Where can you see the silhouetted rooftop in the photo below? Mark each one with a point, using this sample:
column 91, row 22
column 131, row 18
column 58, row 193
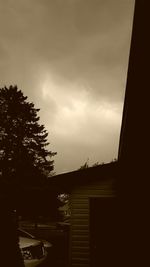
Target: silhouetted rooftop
column 70, row 180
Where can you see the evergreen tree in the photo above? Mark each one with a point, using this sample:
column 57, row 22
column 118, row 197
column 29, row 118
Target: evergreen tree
column 23, row 140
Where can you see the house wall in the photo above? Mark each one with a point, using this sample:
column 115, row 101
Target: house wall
column 80, row 220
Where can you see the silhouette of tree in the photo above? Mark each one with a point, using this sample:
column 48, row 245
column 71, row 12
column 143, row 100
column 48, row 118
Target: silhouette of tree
column 23, row 140
column 86, row 164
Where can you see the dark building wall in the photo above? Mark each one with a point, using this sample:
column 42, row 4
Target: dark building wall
column 80, row 219
column 134, row 149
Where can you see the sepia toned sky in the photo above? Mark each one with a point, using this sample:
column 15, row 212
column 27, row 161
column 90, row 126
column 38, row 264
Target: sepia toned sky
column 70, row 58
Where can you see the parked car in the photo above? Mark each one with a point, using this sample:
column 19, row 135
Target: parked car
column 34, row 251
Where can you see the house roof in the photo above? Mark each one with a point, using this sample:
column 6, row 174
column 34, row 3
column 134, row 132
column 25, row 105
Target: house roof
column 70, row 180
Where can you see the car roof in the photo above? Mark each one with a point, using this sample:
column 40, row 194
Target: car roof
column 25, row 242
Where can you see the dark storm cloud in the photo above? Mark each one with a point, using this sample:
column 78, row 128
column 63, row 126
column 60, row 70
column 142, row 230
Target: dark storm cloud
column 70, row 57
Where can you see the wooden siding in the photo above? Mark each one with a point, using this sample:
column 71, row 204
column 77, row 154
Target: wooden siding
column 80, row 219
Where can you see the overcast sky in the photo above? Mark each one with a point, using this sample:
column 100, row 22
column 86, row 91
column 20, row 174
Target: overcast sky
column 70, row 58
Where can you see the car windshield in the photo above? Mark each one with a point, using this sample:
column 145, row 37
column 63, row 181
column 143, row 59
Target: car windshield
column 24, row 234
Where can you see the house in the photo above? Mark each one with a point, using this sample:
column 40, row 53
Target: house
column 93, row 213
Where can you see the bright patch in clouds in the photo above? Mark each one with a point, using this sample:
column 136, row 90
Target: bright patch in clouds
column 75, row 108
column 80, row 121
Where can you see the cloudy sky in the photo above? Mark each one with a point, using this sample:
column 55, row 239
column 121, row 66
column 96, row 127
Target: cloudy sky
column 70, row 58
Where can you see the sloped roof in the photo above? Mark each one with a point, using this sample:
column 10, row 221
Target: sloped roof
column 70, row 180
